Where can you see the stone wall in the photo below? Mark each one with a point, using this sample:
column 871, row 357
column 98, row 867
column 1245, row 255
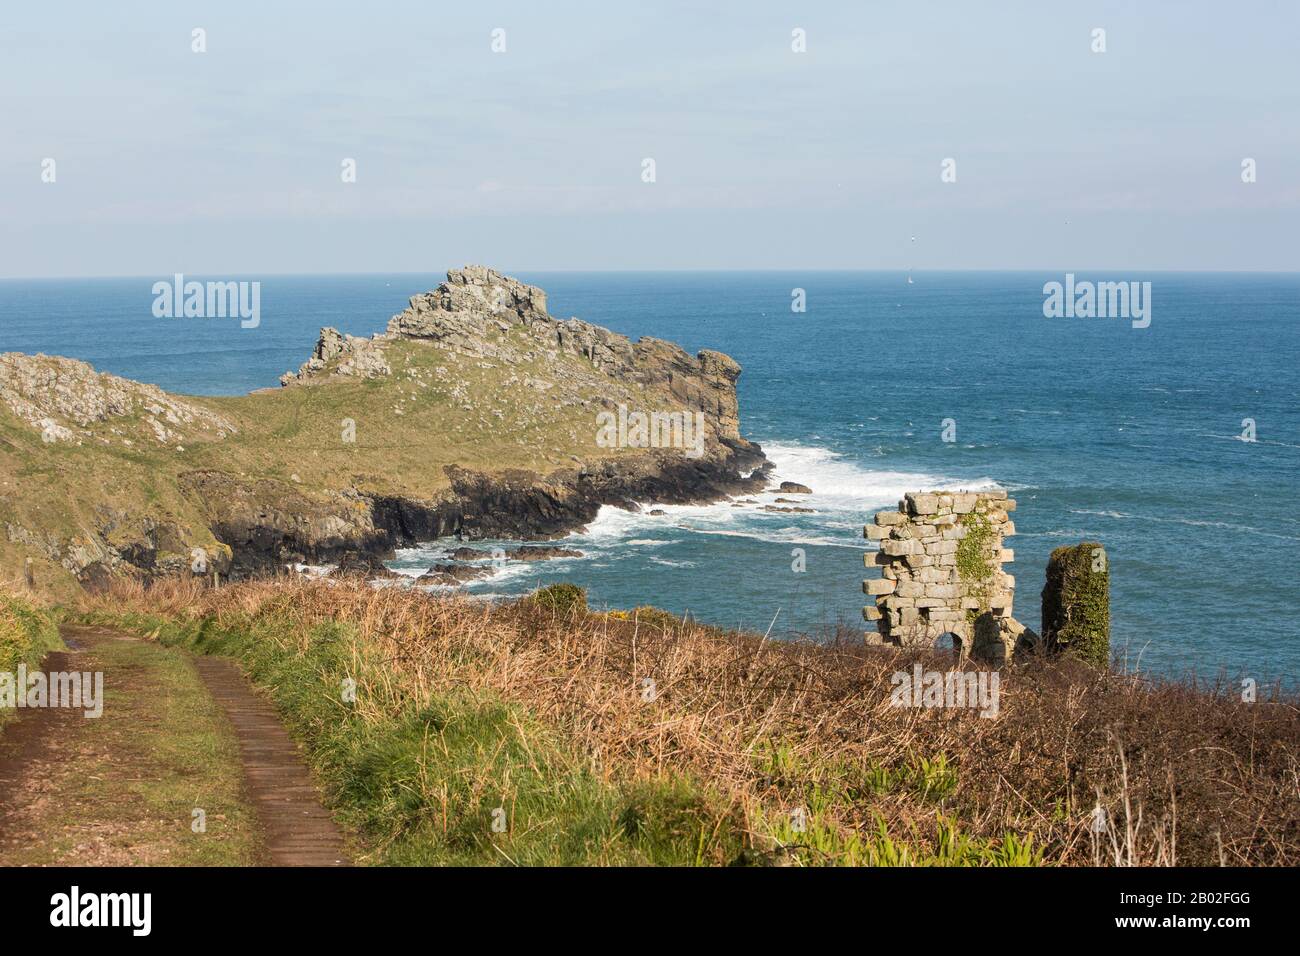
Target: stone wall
column 941, row 556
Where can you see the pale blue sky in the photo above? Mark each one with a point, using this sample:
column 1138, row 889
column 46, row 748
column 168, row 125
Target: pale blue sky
column 228, row 162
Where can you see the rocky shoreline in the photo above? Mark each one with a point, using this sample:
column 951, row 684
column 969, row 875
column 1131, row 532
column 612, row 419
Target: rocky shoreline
column 515, row 505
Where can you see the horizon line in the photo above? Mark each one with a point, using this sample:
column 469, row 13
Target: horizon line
column 738, row 271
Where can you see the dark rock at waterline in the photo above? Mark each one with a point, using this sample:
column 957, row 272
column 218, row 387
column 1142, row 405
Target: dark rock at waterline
column 524, row 553
column 802, row 511
column 452, row 574
column 658, row 513
column 368, row 566
column 541, row 553
column 269, row 524
column 470, row 554
column 794, row 488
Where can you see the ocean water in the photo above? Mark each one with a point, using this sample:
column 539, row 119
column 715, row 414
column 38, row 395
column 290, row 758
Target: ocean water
column 1133, row 437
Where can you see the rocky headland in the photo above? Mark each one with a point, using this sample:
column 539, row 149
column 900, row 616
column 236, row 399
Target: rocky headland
column 475, row 415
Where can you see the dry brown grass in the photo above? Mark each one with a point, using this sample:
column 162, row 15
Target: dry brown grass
column 1186, row 775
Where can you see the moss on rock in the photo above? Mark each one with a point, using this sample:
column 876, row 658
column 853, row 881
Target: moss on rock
column 1076, row 602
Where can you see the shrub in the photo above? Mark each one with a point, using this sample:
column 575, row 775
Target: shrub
column 26, row 633
column 561, row 598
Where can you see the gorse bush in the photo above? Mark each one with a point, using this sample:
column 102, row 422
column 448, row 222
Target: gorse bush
column 564, row 599
column 26, row 632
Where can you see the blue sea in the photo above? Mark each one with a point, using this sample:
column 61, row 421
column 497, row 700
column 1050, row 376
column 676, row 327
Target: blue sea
column 1134, row 437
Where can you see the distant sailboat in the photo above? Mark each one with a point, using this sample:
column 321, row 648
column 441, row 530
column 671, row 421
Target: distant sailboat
column 909, row 278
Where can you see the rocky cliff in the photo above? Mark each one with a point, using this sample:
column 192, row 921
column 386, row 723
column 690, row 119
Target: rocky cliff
column 472, row 314
column 475, row 413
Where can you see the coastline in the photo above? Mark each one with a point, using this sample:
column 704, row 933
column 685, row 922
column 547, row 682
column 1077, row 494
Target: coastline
column 475, row 414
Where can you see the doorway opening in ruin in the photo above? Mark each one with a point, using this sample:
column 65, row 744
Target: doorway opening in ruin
column 948, row 642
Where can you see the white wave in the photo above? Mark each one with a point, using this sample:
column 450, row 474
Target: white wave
column 842, row 485
column 844, row 496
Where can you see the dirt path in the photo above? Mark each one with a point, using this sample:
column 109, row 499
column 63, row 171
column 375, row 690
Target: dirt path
column 187, row 765
column 295, row 827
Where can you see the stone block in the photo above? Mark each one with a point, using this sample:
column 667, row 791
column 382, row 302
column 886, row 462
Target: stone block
column 945, row 616
column 934, row 575
column 898, row 549
column 878, row 586
column 920, row 503
column 890, row 518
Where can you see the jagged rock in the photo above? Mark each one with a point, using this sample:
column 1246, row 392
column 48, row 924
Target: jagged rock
column 451, row 574
column 468, row 313
column 54, row 394
column 541, row 553
column 470, row 554
column 359, row 357
column 794, row 488
column 363, row 565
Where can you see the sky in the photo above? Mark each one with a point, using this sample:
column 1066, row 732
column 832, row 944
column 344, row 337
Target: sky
column 230, row 161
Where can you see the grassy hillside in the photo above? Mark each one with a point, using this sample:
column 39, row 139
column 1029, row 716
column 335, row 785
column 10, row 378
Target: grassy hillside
column 633, row 738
